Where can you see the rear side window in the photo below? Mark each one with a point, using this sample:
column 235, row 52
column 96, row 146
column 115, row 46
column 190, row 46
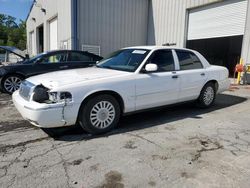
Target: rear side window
column 188, row 60
column 76, row 57
column 164, row 60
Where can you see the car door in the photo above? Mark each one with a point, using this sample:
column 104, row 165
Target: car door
column 192, row 75
column 50, row 62
column 80, row 59
column 161, row 87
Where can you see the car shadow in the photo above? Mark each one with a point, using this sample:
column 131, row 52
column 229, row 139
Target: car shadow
column 152, row 118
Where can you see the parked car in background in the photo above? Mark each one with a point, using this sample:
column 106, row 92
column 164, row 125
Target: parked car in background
column 12, row 75
column 131, row 79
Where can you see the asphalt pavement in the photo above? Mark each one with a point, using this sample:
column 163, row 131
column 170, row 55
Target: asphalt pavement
column 178, row 146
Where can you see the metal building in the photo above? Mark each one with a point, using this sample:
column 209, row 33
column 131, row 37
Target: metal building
column 218, row 29
column 100, row 26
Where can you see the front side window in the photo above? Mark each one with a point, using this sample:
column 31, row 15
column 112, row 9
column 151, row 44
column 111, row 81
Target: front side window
column 53, row 58
column 78, row 57
column 164, row 60
column 125, row 60
column 188, row 60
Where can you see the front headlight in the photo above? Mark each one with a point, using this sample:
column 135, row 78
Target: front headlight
column 57, row 97
column 42, row 94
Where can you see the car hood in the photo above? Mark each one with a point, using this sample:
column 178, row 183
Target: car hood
column 14, row 50
column 62, row 78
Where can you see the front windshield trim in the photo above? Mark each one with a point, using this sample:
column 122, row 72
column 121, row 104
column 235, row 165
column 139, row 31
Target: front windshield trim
column 139, row 54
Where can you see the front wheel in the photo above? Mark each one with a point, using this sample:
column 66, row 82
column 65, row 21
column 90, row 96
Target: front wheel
column 100, row 114
column 207, row 96
column 11, row 83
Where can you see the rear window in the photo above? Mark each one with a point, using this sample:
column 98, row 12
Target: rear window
column 79, row 57
column 188, row 60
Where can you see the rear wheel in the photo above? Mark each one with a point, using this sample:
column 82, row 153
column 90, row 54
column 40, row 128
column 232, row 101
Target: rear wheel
column 11, row 83
column 99, row 114
column 207, row 95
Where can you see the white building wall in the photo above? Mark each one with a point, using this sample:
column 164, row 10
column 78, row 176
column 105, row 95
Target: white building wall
column 245, row 54
column 168, row 20
column 112, row 24
column 54, row 8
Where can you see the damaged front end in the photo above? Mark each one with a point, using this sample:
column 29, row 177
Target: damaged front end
column 41, row 94
column 47, row 98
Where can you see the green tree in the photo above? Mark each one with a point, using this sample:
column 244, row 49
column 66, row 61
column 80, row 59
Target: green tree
column 11, row 32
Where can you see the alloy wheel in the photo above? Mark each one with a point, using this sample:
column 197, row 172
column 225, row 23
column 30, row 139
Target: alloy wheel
column 12, row 84
column 102, row 114
column 208, row 95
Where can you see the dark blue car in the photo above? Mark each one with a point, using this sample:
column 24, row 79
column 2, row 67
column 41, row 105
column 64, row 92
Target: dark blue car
column 12, row 75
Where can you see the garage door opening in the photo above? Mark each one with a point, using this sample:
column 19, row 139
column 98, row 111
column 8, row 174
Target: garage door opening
column 224, row 51
column 40, row 32
column 216, row 31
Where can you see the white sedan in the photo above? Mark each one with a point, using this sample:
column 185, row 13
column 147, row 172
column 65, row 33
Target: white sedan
column 129, row 80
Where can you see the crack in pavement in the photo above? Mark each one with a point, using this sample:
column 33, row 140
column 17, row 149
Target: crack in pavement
column 207, row 145
column 145, row 139
column 6, row 167
column 4, row 148
column 234, row 144
column 64, row 164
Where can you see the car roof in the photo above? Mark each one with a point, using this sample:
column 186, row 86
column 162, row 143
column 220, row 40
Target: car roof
column 157, row 48
column 53, row 51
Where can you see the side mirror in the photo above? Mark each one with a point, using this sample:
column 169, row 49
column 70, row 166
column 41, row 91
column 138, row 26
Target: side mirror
column 151, row 67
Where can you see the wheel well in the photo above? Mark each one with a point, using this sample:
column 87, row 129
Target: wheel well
column 107, row 92
column 12, row 74
column 215, row 84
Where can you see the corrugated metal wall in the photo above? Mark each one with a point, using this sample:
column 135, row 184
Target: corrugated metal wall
column 168, row 19
column 112, row 24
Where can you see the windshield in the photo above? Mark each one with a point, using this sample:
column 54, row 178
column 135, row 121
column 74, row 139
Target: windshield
column 125, row 60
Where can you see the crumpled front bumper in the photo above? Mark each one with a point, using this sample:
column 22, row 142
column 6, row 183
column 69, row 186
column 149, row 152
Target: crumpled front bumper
column 44, row 115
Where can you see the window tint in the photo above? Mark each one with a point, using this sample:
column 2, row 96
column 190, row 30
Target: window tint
column 188, row 60
column 75, row 56
column 164, row 60
column 54, row 58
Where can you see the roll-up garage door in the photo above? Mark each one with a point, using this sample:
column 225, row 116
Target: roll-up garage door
column 217, row 20
column 53, row 42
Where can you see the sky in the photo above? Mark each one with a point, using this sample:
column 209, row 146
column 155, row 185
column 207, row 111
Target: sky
column 16, row 8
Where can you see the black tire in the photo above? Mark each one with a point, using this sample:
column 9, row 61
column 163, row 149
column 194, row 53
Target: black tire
column 91, row 118
column 7, row 79
column 207, row 96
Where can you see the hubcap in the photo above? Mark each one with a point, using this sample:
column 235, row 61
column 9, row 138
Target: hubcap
column 102, row 114
column 208, row 95
column 12, row 84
